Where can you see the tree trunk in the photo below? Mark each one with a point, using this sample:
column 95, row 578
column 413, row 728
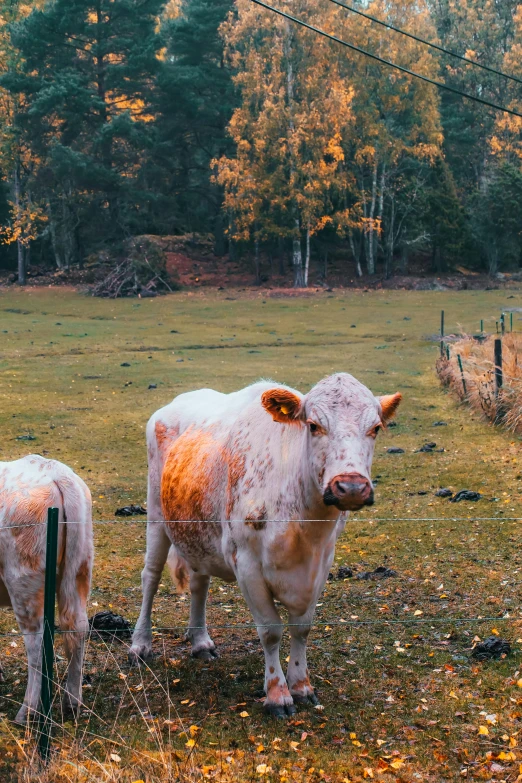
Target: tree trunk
column 22, row 273
column 257, row 262
column 307, row 257
column 280, row 256
column 370, row 258
column 390, row 240
column 297, row 260
column 54, row 240
column 356, row 256
column 297, row 257
column 380, row 212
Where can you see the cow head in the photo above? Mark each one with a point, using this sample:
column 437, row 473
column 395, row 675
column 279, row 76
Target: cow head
column 342, row 418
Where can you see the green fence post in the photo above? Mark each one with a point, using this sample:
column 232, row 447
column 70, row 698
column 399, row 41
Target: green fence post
column 46, row 694
column 462, row 375
column 481, row 326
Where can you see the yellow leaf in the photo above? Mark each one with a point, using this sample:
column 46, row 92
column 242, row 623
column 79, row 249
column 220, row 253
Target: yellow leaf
column 262, row 769
column 190, row 743
column 193, row 730
column 294, row 745
column 483, row 730
column 260, row 748
column 368, row 772
column 494, row 630
column 509, row 756
column 519, row 683
column 453, row 695
column 397, row 764
column 244, row 714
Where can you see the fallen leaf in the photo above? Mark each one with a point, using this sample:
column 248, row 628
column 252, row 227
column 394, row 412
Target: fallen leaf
column 115, row 757
column 483, row 730
column 244, row 714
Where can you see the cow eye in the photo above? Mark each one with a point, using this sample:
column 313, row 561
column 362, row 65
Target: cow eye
column 375, row 430
column 314, row 428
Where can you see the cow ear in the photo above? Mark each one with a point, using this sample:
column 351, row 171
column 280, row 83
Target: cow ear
column 389, row 404
column 283, row 405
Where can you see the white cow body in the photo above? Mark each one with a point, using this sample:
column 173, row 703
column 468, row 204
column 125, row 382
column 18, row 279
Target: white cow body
column 230, row 479
column 28, row 488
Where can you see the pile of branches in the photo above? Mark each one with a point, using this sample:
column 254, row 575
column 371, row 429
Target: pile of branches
column 140, row 271
column 475, row 383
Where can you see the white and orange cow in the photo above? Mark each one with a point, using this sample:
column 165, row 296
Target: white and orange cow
column 230, row 476
column 28, row 488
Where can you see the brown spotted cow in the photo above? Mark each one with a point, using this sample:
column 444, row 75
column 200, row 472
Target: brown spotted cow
column 28, row 487
column 254, row 463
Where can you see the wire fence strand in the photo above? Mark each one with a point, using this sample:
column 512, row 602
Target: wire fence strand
column 368, row 520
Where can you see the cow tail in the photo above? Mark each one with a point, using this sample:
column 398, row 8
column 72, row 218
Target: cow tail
column 75, row 556
column 179, row 570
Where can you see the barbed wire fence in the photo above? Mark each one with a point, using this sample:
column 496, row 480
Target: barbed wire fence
column 49, row 675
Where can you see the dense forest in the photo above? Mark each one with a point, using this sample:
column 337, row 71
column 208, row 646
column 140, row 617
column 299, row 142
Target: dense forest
column 124, row 118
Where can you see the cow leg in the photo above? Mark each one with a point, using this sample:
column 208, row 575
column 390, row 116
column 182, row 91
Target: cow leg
column 73, row 618
column 27, row 600
column 158, row 545
column 278, row 702
column 202, row 645
column 297, row 674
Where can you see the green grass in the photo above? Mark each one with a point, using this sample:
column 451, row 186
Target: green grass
column 61, row 381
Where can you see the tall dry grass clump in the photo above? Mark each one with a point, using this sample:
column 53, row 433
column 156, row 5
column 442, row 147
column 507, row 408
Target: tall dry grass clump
column 475, row 384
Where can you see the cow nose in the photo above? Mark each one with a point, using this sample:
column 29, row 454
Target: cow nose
column 349, row 492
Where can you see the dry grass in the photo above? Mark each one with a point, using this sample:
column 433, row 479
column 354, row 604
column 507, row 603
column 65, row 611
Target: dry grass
column 403, row 700
column 475, row 383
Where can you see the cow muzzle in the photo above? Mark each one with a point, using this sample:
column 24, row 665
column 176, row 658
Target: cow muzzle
column 349, row 492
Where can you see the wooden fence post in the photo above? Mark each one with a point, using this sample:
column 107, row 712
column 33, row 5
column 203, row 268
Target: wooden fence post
column 46, row 694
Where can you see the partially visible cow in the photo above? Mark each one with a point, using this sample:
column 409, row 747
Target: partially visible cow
column 254, row 463
column 28, row 487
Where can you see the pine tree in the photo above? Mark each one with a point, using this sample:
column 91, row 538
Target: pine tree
column 194, row 102
column 88, row 67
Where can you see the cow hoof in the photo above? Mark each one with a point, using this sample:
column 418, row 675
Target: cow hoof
column 205, row 654
column 23, row 714
column 139, row 655
column 280, row 710
column 310, row 698
column 70, row 710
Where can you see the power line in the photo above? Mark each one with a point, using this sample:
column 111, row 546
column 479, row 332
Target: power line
column 389, row 63
column 427, row 43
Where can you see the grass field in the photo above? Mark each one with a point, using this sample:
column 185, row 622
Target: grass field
column 402, row 700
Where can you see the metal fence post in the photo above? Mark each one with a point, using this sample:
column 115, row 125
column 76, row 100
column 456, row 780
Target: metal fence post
column 46, row 694
column 462, row 375
column 498, row 379
column 442, row 332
